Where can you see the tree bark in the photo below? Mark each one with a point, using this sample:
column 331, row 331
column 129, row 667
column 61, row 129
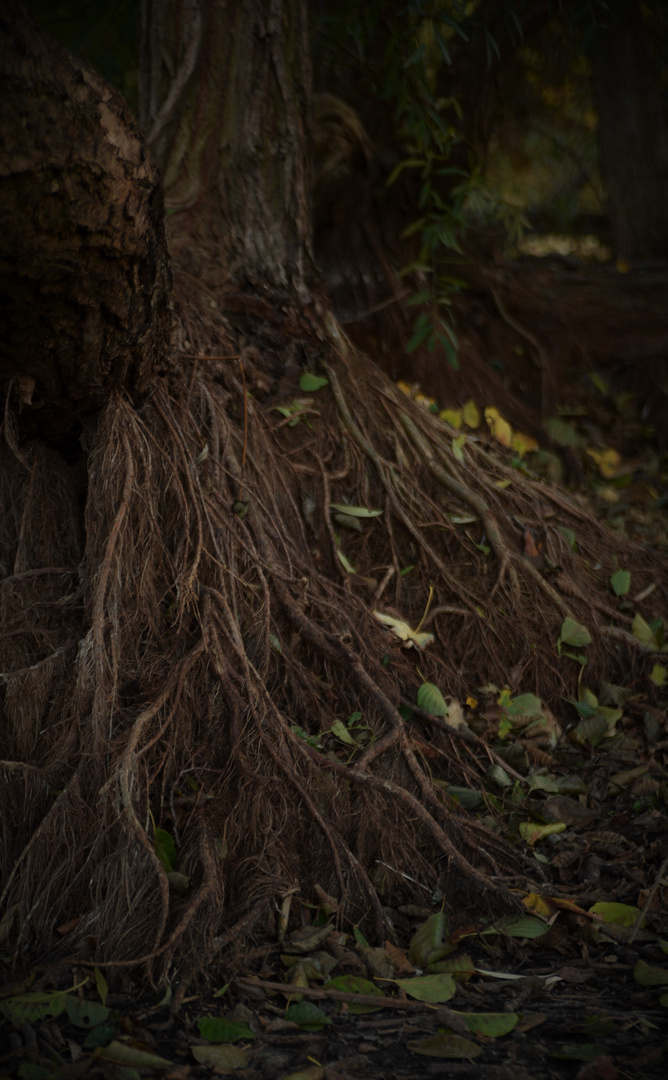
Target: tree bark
column 84, row 279
column 225, row 100
column 633, row 133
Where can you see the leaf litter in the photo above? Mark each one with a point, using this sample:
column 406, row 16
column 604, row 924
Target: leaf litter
column 584, row 795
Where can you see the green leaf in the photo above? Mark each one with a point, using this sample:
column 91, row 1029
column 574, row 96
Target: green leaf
column 307, row 1015
column 179, row 884
column 340, row 730
column 431, row 700
column 547, row 783
column 165, row 848
column 445, row 1046
column 347, row 521
column 579, row 1052
column 310, row 383
column 533, row 833
column 617, row 914
column 621, row 582
column 360, row 938
column 355, row 511
column 647, row 975
column 223, row 1058
column 496, row 774
column 275, row 643
column 433, row 988
column 592, row 729
column 574, row 633
column 642, row 632
column 457, row 445
column 220, row 1029
column 99, row 1036
column 27, row 1008
column 29, row 1070
column 490, row 1025
column 345, row 562
column 525, row 926
column 562, row 432
column 101, row 984
column 570, row 536
column 353, row 984
column 469, row 798
column 430, row 943
column 418, row 337
column 524, row 705
column 460, row 967
column 125, row 1054
column 85, row 1014
column 658, row 675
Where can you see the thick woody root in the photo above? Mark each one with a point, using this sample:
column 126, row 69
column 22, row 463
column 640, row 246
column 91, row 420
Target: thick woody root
column 184, row 669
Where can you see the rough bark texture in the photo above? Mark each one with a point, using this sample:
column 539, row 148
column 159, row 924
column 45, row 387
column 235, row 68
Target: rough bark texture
column 230, row 146
column 633, row 133
column 83, row 274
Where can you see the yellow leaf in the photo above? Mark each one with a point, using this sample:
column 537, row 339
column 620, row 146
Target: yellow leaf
column 405, row 388
column 523, row 444
column 622, row 266
column 658, row 675
column 608, row 494
column 422, row 399
column 471, row 702
column 503, row 483
column 404, row 631
column 500, row 428
column 608, row 461
column 532, row 832
column 471, row 414
column 539, row 904
column 452, row 417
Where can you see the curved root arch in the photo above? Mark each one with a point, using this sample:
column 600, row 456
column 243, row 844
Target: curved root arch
column 190, row 681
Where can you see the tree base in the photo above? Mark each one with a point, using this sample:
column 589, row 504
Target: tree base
column 202, row 713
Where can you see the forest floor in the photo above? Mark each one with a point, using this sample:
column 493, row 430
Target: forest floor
column 576, row 988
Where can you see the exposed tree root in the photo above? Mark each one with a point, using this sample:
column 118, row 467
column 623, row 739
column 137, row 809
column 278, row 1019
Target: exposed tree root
column 187, row 676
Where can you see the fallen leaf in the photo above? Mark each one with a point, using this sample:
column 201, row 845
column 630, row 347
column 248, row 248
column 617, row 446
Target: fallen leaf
column 131, row 1056
column 490, row 1025
column 608, row 461
column 403, row 631
column 223, row 1057
column 574, row 633
column 647, row 975
column 220, row 1029
column 471, row 414
column 453, row 417
column 431, row 700
column 500, row 428
column 355, row 511
column 445, row 1046
column 310, row 383
column 432, row 988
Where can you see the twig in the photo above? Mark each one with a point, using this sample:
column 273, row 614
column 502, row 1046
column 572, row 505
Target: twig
column 377, row 307
column 182, row 77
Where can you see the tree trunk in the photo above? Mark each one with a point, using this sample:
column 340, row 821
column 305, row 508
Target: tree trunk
column 84, row 280
column 633, row 132
column 225, row 100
